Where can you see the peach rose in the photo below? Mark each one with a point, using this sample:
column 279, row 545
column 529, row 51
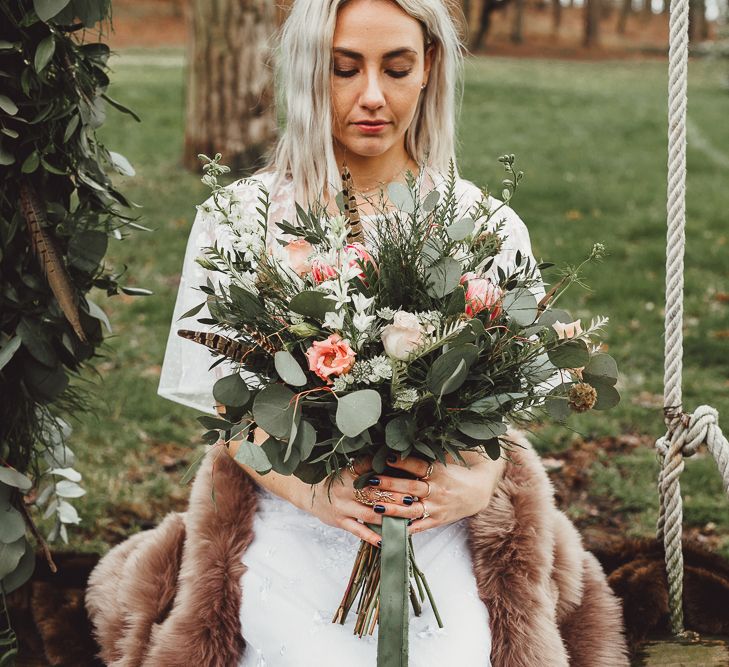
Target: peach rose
column 362, row 254
column 298, row 252
column 481, row 293
column 402, row 336
column 332, row 356
column 322, row 271
column 569, row 330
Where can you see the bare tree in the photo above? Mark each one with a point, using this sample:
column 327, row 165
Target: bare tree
column 556, row 16
column 517, row 27
column 229, row 107
column 480, row 19
column 625, row 11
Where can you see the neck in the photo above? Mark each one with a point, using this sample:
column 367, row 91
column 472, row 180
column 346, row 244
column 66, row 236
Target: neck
column 371, row 172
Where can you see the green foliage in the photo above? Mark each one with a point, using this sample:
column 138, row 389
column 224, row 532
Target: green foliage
column 58, row 210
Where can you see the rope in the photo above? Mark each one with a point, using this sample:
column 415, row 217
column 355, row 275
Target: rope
column 685, row 433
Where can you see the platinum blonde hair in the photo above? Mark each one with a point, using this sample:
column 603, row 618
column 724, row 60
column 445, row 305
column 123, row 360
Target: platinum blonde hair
column 305, row 149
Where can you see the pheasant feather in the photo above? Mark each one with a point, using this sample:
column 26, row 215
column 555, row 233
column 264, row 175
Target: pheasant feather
column 49, row 258
column 351, row 212
column 227, row 347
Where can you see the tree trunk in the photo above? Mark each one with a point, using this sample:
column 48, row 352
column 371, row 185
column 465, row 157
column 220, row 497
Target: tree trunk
column 625, row 12
column 517, row 28
column 592, row 23
column 229, row 106
column 556, row 16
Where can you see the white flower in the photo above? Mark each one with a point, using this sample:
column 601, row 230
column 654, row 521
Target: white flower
column 338, row 292
column 361, row 302
column 405, row 399
column 381, row 368
column 362, row 322
column 334, row 320
column 402, row 336
column 385, row 313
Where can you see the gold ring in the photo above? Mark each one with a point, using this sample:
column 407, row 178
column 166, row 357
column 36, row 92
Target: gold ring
column 351, row 468
column 426, row 514
column 373, row 496
column 427, row 494
column 428, row 472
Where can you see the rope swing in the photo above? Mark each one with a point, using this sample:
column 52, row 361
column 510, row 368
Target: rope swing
column 685, row 432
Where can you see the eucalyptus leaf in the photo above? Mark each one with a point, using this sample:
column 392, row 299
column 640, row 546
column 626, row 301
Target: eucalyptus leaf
column 22, row 572
column 68, row 473
column 8, row 350
column 12, row 525
column 444, row 368
column 231, row 391
column 401, row 196
column 602, row 367
column 398, row 433
column 47, row 9
column 12, row 477
column 556, row 403
column 68, row 489
column 358, row 411
column 288, row 368
column 273, row 410
column 8, row 106
column 570, row 354
column 10, row 555
column 461, row 229
column 98, row 314
column 482, row 430
column 491, row 404
column 520, row 305
column 121, row 164
column 86, row 249
column 275, row 449
column 254, row 456
column 305, row 439
column 44, row 53
column 607, row 395
column 552, row 315
column 443, row 277
column 67, row 513
column 431, row 201
column 312, row 304
column 136, row 291
column 538, row 369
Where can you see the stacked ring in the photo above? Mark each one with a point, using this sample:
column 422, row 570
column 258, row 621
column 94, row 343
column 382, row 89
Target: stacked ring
column 352, row 469
column 427, row 494
column 426, row 514
column 428, row 472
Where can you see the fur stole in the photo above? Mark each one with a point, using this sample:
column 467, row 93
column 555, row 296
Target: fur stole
column 171, row 596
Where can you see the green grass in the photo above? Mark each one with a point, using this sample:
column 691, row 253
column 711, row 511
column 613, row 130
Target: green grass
column 591, row 139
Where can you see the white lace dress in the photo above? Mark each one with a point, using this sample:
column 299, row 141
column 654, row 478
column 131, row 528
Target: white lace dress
column 298, row 567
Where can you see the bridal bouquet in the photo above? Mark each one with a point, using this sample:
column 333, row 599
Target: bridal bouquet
column 395, row 344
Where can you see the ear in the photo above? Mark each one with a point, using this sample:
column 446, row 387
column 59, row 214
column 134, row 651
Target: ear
column 428, row 62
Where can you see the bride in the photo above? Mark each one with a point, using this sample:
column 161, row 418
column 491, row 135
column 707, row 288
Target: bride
column 370, row 84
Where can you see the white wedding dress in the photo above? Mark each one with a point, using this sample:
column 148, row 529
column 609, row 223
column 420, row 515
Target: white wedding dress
column 298, row 567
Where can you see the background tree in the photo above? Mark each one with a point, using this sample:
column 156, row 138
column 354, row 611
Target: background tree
column 229, row 106
column 592, row 22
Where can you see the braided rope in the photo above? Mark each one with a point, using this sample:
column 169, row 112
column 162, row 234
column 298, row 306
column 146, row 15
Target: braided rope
column 685, row 433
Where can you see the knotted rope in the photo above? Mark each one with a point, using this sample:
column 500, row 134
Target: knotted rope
column 684, row 432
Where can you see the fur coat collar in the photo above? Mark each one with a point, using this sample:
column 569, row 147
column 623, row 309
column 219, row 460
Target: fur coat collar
column 170, row 596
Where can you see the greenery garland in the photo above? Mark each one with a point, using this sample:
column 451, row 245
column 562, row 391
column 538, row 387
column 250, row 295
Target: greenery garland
column 58, row 209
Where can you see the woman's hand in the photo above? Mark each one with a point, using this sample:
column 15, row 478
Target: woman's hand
column 453, row 491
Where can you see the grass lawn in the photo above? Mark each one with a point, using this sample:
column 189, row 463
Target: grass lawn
column 591, row 139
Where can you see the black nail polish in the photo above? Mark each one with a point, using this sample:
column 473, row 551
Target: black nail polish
column 410, row 521
column 379, row 544
column 391, row 458
column 373, row 481
column 408, row 500
column 380, row 509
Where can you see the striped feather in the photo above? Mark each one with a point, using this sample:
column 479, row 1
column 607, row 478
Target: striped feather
column 227, row 347
column 49, row 257
column 351, row 212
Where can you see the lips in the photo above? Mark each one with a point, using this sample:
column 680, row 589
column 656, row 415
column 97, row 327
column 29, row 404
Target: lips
column 372, row 126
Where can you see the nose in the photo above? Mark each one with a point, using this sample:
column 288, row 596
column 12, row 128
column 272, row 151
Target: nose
column 372, row 96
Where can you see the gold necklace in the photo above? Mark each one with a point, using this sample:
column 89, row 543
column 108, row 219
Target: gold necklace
column 363, row 193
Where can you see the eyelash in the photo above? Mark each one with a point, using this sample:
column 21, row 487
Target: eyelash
column 348, row 73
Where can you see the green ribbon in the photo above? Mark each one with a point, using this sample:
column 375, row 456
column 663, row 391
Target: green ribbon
column 392, row 638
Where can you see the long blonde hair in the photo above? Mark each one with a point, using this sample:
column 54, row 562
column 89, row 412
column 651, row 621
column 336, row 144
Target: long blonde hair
column 303, row 90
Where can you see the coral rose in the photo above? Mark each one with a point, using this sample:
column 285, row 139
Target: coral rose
column 332, row 356
column 481, row 293
column 298, row 253
column 402, row 336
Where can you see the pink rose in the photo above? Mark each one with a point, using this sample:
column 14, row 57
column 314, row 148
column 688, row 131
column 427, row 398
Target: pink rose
column 332, row 356
column 322, row 271
column 362, row 255
column 298, row 252
column 481, row 293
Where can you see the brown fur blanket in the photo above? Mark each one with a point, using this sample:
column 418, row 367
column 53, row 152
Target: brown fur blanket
column 171, row 596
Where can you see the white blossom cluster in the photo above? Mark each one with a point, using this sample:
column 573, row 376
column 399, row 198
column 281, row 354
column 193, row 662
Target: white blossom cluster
column 405, row 398
column 365, row 372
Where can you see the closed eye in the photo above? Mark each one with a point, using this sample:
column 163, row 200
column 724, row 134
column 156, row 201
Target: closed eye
column 348, row 73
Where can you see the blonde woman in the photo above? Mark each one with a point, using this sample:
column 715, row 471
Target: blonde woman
column 372, row 83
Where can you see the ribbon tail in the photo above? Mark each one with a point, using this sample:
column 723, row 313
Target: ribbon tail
column 394, row 617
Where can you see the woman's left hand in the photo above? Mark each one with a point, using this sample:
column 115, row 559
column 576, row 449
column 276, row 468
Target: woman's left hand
column 456, row 491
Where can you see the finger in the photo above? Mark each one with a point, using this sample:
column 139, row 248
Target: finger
column 392, row 509
column 360, row 530
column 412, row 464
column 412, row 487
column 362, row 465
column 420, row 525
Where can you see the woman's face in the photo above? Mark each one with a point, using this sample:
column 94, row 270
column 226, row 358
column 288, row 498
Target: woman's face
column 379, row 67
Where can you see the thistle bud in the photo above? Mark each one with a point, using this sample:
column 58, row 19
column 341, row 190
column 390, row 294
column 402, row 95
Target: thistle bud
column 582, row 397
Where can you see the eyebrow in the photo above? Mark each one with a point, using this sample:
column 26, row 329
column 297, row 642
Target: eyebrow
column 405, row 50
